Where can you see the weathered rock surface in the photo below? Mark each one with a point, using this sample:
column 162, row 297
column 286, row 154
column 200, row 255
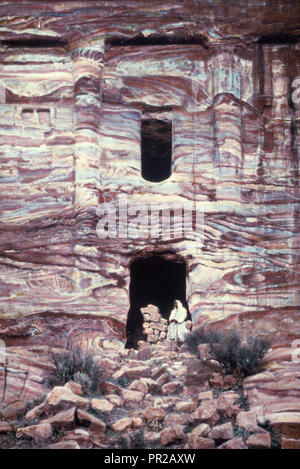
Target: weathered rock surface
column 123, row 424
column 64, row 419
column 287, row 423
column 198, row 442
column 94, row 424
column 132, row 397
column 222, row 432
column 156, row 418
column 35, row 412
column 102, row 405
column 83, row 437
column 206, row 412
column 13, row 410
column 153, row 413
column 61, row 397
column 235, row 443
column 290, row 443
column 62, row 157
column 5, row 427
column 172, row 434
column 259, row 441
column 39, row 433
column 225, row 404
column 201, row 430
column 69, row 444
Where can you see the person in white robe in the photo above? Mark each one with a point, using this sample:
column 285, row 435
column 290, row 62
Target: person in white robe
column 177, row 329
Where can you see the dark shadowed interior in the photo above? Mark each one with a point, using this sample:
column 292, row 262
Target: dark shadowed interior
column 156, row 281
column 156, row 149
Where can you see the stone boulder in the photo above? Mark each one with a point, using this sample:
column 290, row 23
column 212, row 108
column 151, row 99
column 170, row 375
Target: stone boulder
column 235, row 443
column 172, row 434
column 94, row 424
column 82, row 436
column 247, row 420
column 129, row 373
column 174, row 419
column 186, row 406
column 116, row 400
column 197, row 375
column 225, row 404
column 287, row 423
column 206, row 412
column 102, row 405
column 139, row 385
column 68, row 444
column 290, row 443
column 174, row 387
column 5, row 427
column 132, row 397
column 153, row 413
column 74, row 387
column 222, row 432
column 61, row 398
column 13, row 410
column 35, row 413
column 198, row 442
column 204, row 395
column 201, row 430
column 64, row 419
column 259, row 441
column 38, row 433
column 126, row 423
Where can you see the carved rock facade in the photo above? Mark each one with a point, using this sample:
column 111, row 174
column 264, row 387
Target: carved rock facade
column 76, row 86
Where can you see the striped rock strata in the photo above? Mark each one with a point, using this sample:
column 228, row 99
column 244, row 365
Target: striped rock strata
column 75, row 86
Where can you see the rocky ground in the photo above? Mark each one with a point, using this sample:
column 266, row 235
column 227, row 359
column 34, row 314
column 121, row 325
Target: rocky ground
column 156, row 397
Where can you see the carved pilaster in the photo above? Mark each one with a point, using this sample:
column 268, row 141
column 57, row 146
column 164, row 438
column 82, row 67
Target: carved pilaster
column 87, row 59
column 227, row 125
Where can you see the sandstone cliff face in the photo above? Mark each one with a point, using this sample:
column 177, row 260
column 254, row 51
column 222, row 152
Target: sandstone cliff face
column 76, row 84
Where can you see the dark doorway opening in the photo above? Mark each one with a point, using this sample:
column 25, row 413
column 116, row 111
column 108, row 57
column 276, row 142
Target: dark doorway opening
column 156, row 281
column 156, row 149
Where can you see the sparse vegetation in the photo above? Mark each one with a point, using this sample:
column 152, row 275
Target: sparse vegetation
column 36, row 402
column 85, row 381
column 123, row 382
column 275, row 435
column 217, row 390
column 243, row 402
column 133, row 441
column 199, row 336
column 155, row 426
column 137, row 440
column 236, row 358
column 75, row 365
column 241, row 432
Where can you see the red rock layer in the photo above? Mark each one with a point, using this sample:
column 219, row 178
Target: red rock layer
column 75, row 84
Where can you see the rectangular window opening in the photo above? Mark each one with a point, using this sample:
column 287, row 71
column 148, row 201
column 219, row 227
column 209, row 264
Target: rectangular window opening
column 157, row 40
column 156, row 149
column 34, row 43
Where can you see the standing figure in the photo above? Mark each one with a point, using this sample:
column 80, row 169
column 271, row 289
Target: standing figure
column 177, row 329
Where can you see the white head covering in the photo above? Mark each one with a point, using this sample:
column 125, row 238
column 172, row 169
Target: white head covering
column 179, row 313
column 177, row 329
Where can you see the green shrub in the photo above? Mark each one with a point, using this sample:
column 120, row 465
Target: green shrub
column 243, row 402
column 75, row 365
column 32, row 404
column 133, row 441
column 240, row 360
column 85, row 381
column 197, row 337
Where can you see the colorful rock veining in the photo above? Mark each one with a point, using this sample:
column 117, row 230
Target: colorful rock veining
column 75, row 83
